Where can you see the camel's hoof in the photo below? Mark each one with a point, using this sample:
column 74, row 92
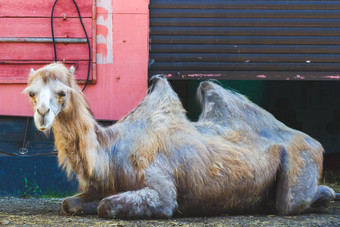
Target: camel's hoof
column 323, row 196
column 103, row 211
column 72, row 206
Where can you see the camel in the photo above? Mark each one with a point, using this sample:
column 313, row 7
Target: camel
column 154, row 162
column 233, row 116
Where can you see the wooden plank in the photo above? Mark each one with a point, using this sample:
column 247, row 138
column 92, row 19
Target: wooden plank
column 17, row 71
column 203, row 4
column 274, row 49
column 24, row 8
column 249, row 31
column 249, row 75
column 236, row 40
column 218, row 57
column 243, row 13
column 43, row 51
column 244, row 22
column 223, row 66
column 41, row 27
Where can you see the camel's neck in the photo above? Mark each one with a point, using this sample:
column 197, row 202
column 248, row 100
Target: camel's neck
column 76, row 138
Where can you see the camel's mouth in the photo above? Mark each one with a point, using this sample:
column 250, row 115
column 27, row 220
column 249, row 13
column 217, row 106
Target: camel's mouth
column 43, row 123
column 42, row 128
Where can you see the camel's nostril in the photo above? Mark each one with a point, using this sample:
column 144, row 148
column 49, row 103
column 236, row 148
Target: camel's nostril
column 43, row 111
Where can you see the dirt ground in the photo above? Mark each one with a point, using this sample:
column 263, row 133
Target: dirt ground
column 46, row 212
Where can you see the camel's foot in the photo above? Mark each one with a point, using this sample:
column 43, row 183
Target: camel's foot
column 77, row 206
column 113, row 207
column 323, row 196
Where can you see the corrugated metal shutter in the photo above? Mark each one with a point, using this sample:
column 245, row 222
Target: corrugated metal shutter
column 238, row 39
column 25, row 37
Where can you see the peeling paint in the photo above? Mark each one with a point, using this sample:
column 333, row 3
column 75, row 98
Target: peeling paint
column 337, row 77
column 204, row 75
column 300, row 77
column 101, row 10
column 104, row 32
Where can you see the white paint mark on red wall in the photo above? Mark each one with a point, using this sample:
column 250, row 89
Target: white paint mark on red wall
column 104, row 32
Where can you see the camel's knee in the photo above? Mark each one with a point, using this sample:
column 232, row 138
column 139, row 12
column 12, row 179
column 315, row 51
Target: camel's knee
column 114, row 207
column 289, row 209
column 77, row 206
column 104, row 209
column 323, row 196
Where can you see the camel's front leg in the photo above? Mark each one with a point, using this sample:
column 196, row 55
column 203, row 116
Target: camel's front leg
column 157, row 200
column 80, row 204
column 143, row 203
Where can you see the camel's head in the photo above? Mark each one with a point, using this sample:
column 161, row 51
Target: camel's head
column 49, row 89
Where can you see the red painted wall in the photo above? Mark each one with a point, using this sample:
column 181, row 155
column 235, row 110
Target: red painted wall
column 21, row 23
column 122, row 62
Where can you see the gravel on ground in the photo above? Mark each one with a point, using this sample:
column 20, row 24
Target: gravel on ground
column 46, row 212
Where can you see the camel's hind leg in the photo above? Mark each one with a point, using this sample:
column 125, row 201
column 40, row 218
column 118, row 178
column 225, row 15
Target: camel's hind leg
column 297, row 182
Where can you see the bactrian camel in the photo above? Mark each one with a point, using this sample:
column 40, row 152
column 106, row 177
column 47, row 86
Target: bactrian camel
column 154, row 162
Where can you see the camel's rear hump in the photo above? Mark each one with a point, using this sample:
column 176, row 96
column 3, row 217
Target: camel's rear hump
column 228, row 113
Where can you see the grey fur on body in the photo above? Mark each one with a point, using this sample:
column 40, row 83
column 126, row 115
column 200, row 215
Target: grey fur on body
column 225, row 112
column 155, row 162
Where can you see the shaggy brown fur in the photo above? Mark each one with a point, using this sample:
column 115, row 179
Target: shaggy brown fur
column 154, row 161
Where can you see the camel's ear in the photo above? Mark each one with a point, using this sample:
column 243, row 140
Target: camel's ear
column 71, row 70
column 25, row 91
column 30, row 74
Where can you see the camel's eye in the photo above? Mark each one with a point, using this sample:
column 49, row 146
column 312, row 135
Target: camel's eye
column 31, row 94
column 61, row 94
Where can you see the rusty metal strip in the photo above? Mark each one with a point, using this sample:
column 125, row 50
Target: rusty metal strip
column 42, row 40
